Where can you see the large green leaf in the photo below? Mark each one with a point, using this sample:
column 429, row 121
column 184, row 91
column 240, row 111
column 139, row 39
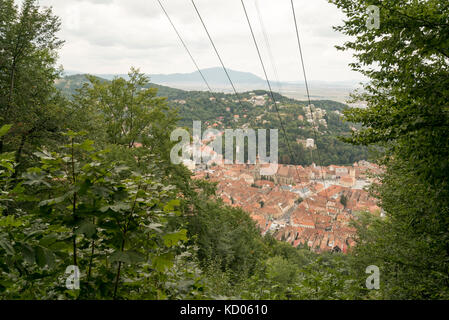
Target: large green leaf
column 85, row 186
column 135, row 257
column 169, row 207
column 87, row 228
column 172, row 239
column 10, row 221
column 5, row 244
column 156, row 227
column 44, row 257
column 120, row 207
column 4, row 129
column 120, row 256
column 41, row 259
column 86, row 145
column 130, row 257
column 163, row 262
column 55, row 200
column 28, row 254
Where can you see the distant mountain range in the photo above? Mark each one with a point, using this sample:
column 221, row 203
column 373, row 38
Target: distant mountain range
column 243, row 81
column 215, row 76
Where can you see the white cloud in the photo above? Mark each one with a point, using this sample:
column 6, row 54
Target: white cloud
column 109, row 36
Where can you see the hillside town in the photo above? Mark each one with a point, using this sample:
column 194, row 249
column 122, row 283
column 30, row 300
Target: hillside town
column 305, row 206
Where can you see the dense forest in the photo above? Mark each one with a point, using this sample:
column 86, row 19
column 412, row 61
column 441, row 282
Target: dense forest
column 76, row 191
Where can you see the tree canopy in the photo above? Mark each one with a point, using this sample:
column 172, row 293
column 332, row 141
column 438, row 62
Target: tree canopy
column 407, row 62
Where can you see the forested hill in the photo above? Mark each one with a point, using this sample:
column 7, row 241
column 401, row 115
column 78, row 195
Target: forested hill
column 256, row 111
column 69, row 84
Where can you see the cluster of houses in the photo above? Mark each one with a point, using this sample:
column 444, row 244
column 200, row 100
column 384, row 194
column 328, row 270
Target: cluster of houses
column 315, row 115
column 306, row 206
column 257, row 101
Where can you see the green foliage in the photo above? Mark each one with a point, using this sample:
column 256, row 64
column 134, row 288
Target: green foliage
column 281, row 271
column 407, row 61
column 28, row 99
column 344, row 200
column 226, row 235
column 109, row 221
column 7, row 169
column 130, row 112
column 104, row 196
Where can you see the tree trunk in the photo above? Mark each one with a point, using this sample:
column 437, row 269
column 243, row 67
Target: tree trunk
column 118, row 273
column 20, row 150
column 19, row 156
column 11, row 86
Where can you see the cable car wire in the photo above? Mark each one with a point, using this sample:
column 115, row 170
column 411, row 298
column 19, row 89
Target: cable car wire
column 292, row 155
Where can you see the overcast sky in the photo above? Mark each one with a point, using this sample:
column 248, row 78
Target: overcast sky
column 110, row 36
